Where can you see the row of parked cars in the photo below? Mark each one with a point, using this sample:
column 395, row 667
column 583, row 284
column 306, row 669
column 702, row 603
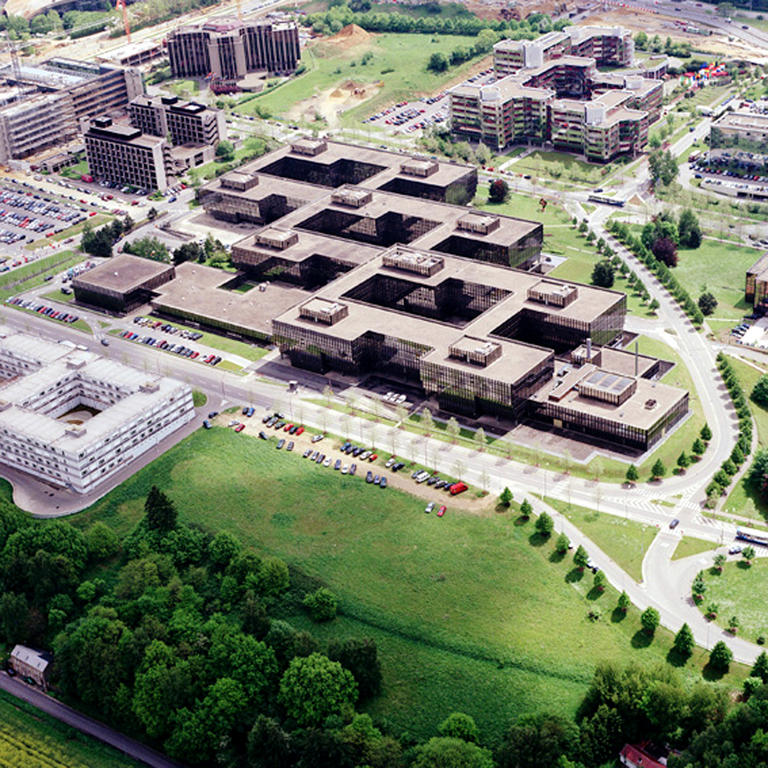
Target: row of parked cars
column 438, row 483
column 151, row 323
column 42, row 309
column 177, row 349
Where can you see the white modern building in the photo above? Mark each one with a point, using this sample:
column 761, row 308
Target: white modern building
column 72, row 418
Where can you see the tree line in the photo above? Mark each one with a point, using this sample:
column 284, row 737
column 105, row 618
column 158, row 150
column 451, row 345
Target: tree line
column 178, row 636
column 340, row 15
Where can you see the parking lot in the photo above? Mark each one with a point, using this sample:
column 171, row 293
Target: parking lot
column 743, row 173
column 410, row 116
column 27, row 216
column 161, row 336
column 33, row 305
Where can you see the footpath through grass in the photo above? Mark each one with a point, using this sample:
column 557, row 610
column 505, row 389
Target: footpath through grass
column 464, row 606
column 31, row 739
column 738, row 591
column 624, row 541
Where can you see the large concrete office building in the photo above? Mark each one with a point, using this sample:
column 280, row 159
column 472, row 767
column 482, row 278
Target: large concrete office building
column 565, row 101
column 73, row 419
column 186, row 122
column 349, row 276
column 53, row 97
column 608, row 46
column 743, row 130
column 124, row 154
column 227, row 49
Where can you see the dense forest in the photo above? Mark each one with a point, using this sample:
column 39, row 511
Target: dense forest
column 173, row 635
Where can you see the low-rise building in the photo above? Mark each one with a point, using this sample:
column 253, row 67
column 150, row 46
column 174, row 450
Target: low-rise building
column 756, row 285
column 27, row 662
column 74, row 419
column 740, row 130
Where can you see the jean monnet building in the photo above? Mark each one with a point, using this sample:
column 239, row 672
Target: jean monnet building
column 73, row 419
column 367, row 262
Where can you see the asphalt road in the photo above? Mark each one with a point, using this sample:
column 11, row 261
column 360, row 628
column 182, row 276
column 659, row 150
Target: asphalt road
column 94, row 728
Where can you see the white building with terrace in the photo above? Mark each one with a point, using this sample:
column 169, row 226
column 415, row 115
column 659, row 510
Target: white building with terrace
column 72, row 418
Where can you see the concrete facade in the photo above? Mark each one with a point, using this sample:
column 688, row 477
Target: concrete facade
column 46, row 382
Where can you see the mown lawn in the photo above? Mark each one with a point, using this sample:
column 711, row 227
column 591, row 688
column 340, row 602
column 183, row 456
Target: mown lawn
column 717, row 267
column 689, row 545
column 464, row 606
column 31, row 739
column 738, row 591
column 624, row 541
column 744, row 499
column 399, row 63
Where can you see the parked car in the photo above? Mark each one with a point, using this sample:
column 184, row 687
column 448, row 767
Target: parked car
column 441, row 511
column 280, row 443
column 429, row 507
column 457, row 488
column 369, row 476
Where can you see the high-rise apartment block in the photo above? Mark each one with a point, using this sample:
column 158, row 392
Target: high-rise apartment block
column 549, row 90
column 124, row 154
column 228, row 49
column 184, row 122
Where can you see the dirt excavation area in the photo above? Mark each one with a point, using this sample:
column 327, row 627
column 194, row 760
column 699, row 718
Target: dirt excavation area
column 664, row 26
column 330, row 103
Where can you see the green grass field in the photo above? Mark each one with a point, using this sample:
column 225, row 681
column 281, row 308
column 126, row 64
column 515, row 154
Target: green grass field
column 573, row 169
column 399, row 63
column 689, row 545
column 464, row 606
column 31, row 739
column 743, row 499
column 624, row 541
column 717, row 267
column 737, row 592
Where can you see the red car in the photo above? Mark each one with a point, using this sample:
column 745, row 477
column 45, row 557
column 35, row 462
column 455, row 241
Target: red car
column 441, row 511
column 239, row 427
column 299, row 430
column 373, row 457
column 287, row 427
column 457, row 488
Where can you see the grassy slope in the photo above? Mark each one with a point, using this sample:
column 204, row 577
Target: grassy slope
column 30, row 739
column 737, row 592
column 452, row 600
column 624, row 541
column 329, row 65
column 738, row 499
column 719, row 267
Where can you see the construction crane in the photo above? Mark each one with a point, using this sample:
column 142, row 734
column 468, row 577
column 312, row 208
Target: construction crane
column 126, row 25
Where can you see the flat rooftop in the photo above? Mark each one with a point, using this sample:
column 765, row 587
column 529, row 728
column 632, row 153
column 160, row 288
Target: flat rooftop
column 363, row 316
column 651, row 400
column 121, row 274
column 307, row 244
column 743, row 121
column 135, row 392
column 390, row 163
column 200, row 290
